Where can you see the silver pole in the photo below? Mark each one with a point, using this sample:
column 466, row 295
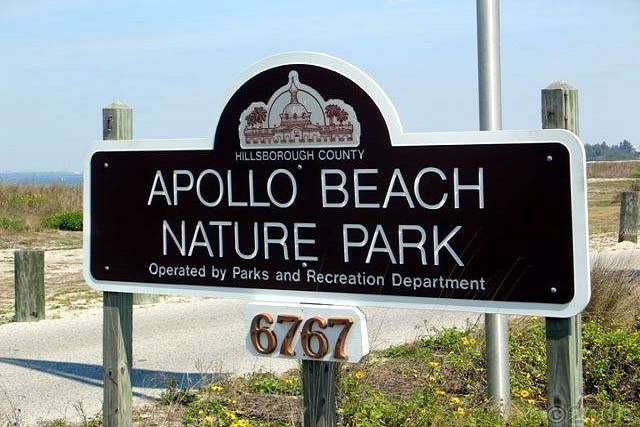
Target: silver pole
column 496, row 325
column 490, row 95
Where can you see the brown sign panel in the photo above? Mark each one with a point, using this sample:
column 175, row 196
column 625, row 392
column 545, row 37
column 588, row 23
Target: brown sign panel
column 306, row 195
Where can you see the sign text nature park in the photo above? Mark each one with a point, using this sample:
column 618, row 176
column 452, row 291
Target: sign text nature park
column 311, row 192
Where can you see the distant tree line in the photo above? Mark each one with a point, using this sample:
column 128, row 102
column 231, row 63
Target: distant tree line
column 623, row 151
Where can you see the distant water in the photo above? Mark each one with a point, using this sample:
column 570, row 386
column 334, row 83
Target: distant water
column 65, row 178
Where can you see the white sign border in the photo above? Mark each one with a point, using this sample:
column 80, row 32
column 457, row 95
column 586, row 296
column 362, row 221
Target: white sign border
column 398, row 138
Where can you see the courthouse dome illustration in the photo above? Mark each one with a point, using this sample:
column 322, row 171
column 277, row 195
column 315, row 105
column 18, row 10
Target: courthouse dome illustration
column 297, row 116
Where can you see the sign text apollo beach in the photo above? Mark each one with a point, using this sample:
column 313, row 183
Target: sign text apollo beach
column 311, row 192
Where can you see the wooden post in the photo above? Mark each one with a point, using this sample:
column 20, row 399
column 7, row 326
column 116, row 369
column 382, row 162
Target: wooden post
column 117, row 124
column 628, row 231
column 116, row 359
column 564, row 335
column 319, row 383
column 560, row 107
column 29, row 285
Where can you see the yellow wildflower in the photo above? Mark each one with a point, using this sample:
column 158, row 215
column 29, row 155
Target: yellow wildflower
column 455, row 400
column 217, row 388
column 440, row 392
column 209, row 419
column 230, row 415
column 524, row 393
column 434, row 364
column 240, row 423
column 460, row 410
column 468, row 340
column 359, row 374
column 589, row 420
column 531, row 401
column 432, row 378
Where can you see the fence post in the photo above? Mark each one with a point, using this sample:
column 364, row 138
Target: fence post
column 628, row 231
column 117, row 124
column 29, row 285
column 564, row 335
column 319, row 388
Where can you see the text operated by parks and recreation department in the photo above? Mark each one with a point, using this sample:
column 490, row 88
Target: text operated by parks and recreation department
column 356, row 189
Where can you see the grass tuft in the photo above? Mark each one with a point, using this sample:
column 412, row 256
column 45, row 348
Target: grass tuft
column 615, row 293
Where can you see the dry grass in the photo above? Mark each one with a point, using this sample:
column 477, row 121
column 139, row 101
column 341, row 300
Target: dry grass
column 613, row 169
column 603, row 198
column 615, row 293
column 30, row 204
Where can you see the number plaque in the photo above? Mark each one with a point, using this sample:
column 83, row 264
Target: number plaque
column 307, row 331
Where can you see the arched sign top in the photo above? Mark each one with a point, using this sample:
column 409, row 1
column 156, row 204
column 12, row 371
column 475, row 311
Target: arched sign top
column 320, row 84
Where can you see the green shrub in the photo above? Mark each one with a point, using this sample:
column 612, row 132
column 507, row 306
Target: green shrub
column 12, row 224
column 71, row 221
column 268, row 383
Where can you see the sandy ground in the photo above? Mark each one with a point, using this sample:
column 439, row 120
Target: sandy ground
column 65, row 289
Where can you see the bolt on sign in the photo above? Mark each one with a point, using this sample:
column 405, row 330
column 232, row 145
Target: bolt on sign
column 310, row 191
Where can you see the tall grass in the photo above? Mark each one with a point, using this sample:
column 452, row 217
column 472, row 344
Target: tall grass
column 24, row 207
column 615, row 293
column 614, row 169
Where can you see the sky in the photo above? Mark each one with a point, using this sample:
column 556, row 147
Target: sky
column 173, row 62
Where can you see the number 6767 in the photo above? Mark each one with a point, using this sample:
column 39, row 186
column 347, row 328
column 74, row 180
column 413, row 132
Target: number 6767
column 314, row 342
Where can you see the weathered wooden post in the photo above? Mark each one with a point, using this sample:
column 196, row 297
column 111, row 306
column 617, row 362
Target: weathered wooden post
column 117, row 120
column 117, row 124
column 628, row 231
column 29, row 285
column 320, row 387
column 564, row 335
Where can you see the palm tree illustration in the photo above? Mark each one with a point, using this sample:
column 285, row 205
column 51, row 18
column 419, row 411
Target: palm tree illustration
column 250, row 119
column 342, row 116
column 332, row 111
column 256, row 117
column 260, row 115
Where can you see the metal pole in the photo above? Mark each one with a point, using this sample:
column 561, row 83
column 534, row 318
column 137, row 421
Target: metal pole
column 496, row 325
column 489, row 90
